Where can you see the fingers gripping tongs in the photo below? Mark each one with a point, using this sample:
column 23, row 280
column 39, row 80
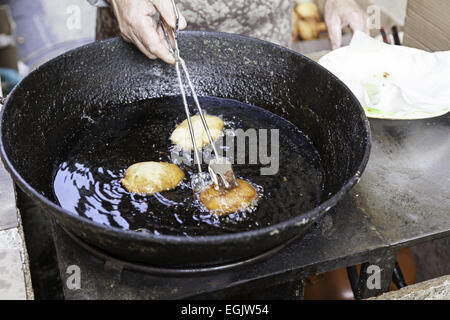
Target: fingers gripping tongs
column 219, row 168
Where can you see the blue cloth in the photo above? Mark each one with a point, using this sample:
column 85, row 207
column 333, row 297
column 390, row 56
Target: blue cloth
column 10, row 78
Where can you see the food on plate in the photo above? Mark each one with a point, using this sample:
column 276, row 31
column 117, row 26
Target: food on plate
column 306, row 22
column 307, row 10
column 295, row 21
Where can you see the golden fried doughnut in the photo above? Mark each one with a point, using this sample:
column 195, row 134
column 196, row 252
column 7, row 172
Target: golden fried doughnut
column 181, row 136
column 147, row 178
column 308, row 10
column 224, row 201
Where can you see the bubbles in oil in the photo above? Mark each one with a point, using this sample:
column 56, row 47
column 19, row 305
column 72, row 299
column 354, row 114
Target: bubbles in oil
column 87, row 183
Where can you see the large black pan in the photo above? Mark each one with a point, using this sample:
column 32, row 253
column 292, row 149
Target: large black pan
column 51, row 106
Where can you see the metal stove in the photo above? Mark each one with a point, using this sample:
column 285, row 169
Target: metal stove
column 401, row 200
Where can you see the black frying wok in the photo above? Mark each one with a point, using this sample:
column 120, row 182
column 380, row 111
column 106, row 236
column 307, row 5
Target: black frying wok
column 45, row 113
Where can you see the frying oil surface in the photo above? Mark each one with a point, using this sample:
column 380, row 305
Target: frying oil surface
column 88, row 182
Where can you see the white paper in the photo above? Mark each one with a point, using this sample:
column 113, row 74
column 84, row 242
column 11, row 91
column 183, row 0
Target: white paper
column 393, row 82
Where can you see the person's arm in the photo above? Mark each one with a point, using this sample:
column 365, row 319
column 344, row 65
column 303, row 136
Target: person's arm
column 138, row 25
column 343, row 13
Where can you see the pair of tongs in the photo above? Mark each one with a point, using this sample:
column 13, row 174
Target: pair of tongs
column 219, row 168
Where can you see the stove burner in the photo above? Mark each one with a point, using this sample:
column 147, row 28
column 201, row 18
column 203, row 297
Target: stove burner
column 115, row 264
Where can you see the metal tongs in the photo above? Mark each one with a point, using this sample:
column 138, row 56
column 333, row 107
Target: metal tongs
column 219, row 168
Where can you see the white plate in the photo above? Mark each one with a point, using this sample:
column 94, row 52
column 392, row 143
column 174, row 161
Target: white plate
column 393, row 82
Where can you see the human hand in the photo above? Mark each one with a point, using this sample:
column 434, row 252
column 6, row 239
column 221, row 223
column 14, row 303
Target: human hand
column 342, row 13
column 138, row 25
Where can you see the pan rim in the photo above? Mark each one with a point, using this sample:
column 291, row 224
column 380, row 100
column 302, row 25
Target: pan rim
column 298, row 220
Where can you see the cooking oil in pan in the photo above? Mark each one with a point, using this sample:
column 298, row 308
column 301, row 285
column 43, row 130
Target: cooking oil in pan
column 88, row 182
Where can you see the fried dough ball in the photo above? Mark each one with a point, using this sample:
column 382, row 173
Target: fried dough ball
column 308, row 10
column 310, row 29
column 305, row 30
column 181, row 136
column 223, row 201
column 306, row 22
column 147, row 178
column 295, row 20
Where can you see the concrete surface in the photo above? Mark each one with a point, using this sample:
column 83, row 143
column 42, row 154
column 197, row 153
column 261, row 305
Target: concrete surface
column 8, row 216
column 12, row 281
column 15, row 278
column 436, row 289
